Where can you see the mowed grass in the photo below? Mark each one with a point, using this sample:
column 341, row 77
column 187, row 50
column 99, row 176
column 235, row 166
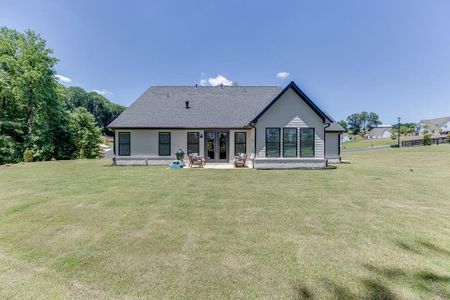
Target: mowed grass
column 361, row 143
column 378, row 228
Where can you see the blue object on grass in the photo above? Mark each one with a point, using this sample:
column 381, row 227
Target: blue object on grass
column 176, row 164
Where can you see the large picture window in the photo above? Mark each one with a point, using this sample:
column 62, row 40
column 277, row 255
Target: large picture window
column 193, row 142
column 240, row 143
column 164, row 144
column 290, row 142
column 307, row 142
column 273, row 142
column 124, row 144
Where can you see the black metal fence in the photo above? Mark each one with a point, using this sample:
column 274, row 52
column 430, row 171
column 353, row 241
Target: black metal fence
column 434, row 141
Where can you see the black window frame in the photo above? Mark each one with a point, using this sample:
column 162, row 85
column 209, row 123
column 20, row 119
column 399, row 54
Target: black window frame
column 235, row 142
column 279, row 141
column 121, row 143
column 296, row 141
column 197, row 144
column 313, row 141
column 159, row 143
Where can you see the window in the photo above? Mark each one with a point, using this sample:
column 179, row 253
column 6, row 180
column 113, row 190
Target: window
column 164, row 144
column 272, row 142
column 307, row 142
column 124, row 144
column 289, row 142
column 240, row 143
column 193, row 142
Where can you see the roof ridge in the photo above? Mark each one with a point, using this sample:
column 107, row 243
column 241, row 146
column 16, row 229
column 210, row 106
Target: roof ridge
column 217, row 86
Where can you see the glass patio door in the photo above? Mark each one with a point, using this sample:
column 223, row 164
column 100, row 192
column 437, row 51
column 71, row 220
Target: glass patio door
column 216, row 146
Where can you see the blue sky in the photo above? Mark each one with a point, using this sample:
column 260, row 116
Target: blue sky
column 390, row 57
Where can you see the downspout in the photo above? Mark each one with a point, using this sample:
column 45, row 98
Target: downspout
column 254, row 140
column 114, row 147
column 325, row 142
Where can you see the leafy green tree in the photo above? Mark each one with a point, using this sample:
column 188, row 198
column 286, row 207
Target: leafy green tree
column 354, row 123
column 103, row 110
column 85, row 133
column 343, row 124
column 405, row 128
column 33, row 112
column 373, row 120
column 359, row 123
column 427, row 137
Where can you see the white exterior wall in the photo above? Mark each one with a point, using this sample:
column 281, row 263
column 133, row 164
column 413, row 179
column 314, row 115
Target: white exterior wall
column 290, row 111
column 332, row 147
column 144, row 145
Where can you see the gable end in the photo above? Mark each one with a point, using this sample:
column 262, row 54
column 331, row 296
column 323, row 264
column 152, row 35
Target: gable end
column 301, row 94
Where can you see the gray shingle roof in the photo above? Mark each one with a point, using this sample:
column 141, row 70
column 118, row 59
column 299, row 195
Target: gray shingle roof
column 334, row 126
column 211, row 107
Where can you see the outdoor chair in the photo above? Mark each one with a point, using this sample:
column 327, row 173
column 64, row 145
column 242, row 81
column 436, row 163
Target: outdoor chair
column 196, row 160
column 239, row 161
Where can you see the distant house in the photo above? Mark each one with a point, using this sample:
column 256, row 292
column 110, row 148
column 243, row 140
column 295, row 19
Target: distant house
column 434, row 126
column 345, row 137
column 278, row 127
column 381, row 131
column 446, row 128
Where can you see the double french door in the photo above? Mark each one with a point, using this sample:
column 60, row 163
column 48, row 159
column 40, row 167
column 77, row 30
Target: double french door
column 216, row 146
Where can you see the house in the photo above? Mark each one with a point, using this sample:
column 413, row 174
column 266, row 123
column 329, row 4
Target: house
column 434, row 126
column 380, row 131
column 345, row 137
column 278, row 127
column 446, row 128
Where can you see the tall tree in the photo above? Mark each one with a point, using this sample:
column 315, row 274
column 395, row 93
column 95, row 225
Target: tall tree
column 359, row 123
column 32, row 115
column 373, row 120
column 103, row 110
column 343, row 124
column 354, row 123
column 86, row 134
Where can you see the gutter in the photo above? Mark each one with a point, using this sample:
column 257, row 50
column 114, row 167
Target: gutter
column 252, row 125
column 325, row 142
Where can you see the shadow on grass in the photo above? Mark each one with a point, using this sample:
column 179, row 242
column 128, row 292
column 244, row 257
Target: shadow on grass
column 373, row 290
column 420, row 247
column 425, row 283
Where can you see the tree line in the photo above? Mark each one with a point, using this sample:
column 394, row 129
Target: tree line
column 41, row 119
column 360, row 123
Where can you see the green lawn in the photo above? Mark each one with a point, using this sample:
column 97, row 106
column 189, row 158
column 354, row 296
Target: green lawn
column 377, row 228
column 361, row 143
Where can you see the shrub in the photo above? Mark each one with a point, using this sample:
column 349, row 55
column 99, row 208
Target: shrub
column 427, row 138
column 28, row 155
column 85, row 134
column 448, row 137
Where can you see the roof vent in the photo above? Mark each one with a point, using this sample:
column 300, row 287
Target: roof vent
column 187, row 104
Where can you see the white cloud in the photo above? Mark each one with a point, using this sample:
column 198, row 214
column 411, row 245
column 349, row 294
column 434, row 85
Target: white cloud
column 63, row 78
column 215, row 81
column 103, row 92
column 283, row 75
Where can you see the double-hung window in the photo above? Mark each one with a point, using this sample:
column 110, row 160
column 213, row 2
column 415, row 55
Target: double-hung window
column 307, row 142
column 272, row 142
column 193, row 142
column 240, row 143
column 164, row 144
column 124, row 144
column 289, row 142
